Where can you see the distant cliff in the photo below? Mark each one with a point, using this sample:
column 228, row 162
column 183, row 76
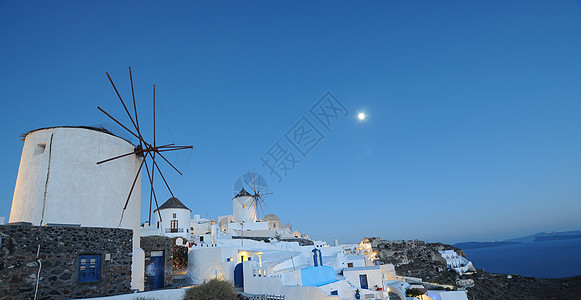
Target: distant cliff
column 544, row 238
column 541, row 236
column 476, row 245
column 423, row 260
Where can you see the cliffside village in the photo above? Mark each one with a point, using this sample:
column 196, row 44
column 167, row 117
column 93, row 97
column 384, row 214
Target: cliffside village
column 73, row 234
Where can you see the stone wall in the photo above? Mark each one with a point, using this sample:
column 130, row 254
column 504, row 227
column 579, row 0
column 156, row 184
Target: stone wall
column 60, row 248
column 159, row 243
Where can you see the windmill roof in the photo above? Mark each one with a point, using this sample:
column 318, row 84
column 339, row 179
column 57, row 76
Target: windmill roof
column 271, row 217
column 100, row 129
column 242, row 193
column 173, row 202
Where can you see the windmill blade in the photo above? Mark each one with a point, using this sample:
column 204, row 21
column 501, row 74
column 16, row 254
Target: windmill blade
column 261, row 205
column 164, row 146
column 167, row 150
column 152, row 191
column 260, row 186
column 154, row 144
column 149, row 176
column 141, row 139
column 263, row 202
column 131, row 192
column 133, row 185
column 249, row 185
column 255, row 203
column 144, row 149
column 167, row 161
column 122, row 102
column 253, row 179
column 157, row 205
column 153, row 157
column 163, row 177
column 116, row 157
column 119, row 123
column 263, row 214
column 266, row 194
column 258, row 208
column 244, row 181
column 175, row 148
column 134, row 105
column 150, row 203
column 154, row 195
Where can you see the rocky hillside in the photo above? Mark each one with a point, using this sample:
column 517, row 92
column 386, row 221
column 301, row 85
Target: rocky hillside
column 423, row 260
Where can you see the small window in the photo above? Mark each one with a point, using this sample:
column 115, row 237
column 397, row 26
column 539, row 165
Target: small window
column 89, row 268
column 350, row 265
column 157, row 224
column 335, row 292
column 201, row 238
column 39, row 149
column 174, row 215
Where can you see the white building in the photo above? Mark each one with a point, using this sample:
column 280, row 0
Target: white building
column 264, row 257
column 244, row 207
column 244, row 222
column 309, row 272
column 298, row 268
column 175, row 219
column 60, row 182
column 200, row 225
column 456, row 262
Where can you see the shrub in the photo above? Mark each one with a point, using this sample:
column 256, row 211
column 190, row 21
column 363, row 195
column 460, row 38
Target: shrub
column 214, row 289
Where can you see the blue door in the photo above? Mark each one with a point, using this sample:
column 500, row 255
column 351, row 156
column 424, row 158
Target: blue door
column 155, row 271
column 239, row 276
column 363, row 281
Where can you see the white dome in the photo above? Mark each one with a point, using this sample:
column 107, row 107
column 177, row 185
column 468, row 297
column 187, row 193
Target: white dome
column 271, row 217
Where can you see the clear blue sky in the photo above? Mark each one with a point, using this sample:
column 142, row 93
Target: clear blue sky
column 474, row 108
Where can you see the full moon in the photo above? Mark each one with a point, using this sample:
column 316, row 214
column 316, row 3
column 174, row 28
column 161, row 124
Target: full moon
column 361, row 116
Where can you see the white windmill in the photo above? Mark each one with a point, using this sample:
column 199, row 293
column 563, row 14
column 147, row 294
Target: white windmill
column 89, row 177
column 250, row 191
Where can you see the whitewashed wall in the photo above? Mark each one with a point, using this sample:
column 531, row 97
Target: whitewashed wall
column 243, row 209
column 374, row 277
column 343, row 288
column 205, row 263
column 60, row 182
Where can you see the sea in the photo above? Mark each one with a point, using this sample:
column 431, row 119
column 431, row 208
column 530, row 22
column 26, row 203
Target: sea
column 542, row 259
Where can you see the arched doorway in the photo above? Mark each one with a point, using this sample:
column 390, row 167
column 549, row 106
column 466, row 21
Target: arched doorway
column 239, row 276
